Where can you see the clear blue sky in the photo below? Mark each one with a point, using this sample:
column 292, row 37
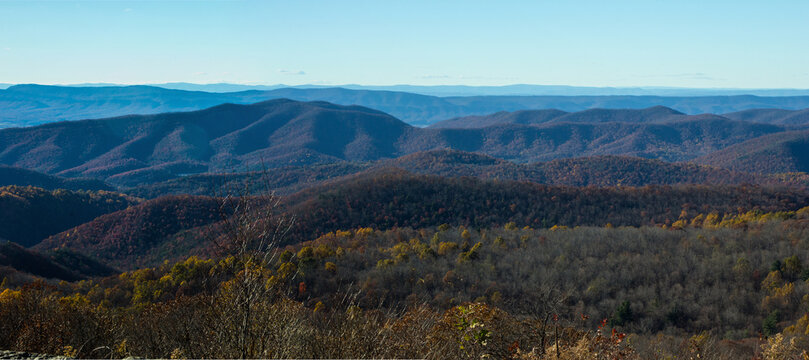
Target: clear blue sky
column 741, row 44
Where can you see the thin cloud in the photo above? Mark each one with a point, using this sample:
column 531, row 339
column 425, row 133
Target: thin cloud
column 128, row 10
column 435, row 77
column 695, row 76
column 292, row 72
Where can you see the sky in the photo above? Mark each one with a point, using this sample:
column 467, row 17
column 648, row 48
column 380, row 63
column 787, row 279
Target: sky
column 684, row 43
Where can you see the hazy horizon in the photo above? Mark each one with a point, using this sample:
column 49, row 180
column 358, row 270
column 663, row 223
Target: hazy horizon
column 95, row 84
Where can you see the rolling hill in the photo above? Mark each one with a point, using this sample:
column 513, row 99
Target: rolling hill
column 601, row 171
column 173, row 227
column 524, row 117
column 777, row 153
column 656, row 114
column 608, row 170
column 689, row 105
column 29, row 214
column 772, row 116
column 226, row 138
column 604, row 170
column 400, row 199
column 151, row 232
column 22, row 177
column 27, row 105
column 283, row 181
column 677, row 141
column 59, row 264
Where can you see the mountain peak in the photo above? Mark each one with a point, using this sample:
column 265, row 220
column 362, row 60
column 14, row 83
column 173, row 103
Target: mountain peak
column 274, row 132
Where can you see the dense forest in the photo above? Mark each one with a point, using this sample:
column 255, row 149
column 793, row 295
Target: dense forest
column 400, row 199
column 176, row 226
column 724, row 287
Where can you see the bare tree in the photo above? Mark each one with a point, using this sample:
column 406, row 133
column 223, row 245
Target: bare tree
column 544, row 302
column 251, row 229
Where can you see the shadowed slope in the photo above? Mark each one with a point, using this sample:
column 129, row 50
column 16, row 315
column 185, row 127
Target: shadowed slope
column 60, row 264
column 28, row 214
column 154, row 230
column 776, row 153
column 22, row 177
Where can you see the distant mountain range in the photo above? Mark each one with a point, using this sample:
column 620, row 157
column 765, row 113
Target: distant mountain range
column 228, row 138
column 26, row 105
column 504, row 90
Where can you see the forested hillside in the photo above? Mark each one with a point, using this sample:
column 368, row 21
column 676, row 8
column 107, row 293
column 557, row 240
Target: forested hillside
column 777, row 153
column 173, row 226
column 223, row 138
column 586, row 171
column 150, row 232
column 29, row 214
column 399, row 199
column 284, row 180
